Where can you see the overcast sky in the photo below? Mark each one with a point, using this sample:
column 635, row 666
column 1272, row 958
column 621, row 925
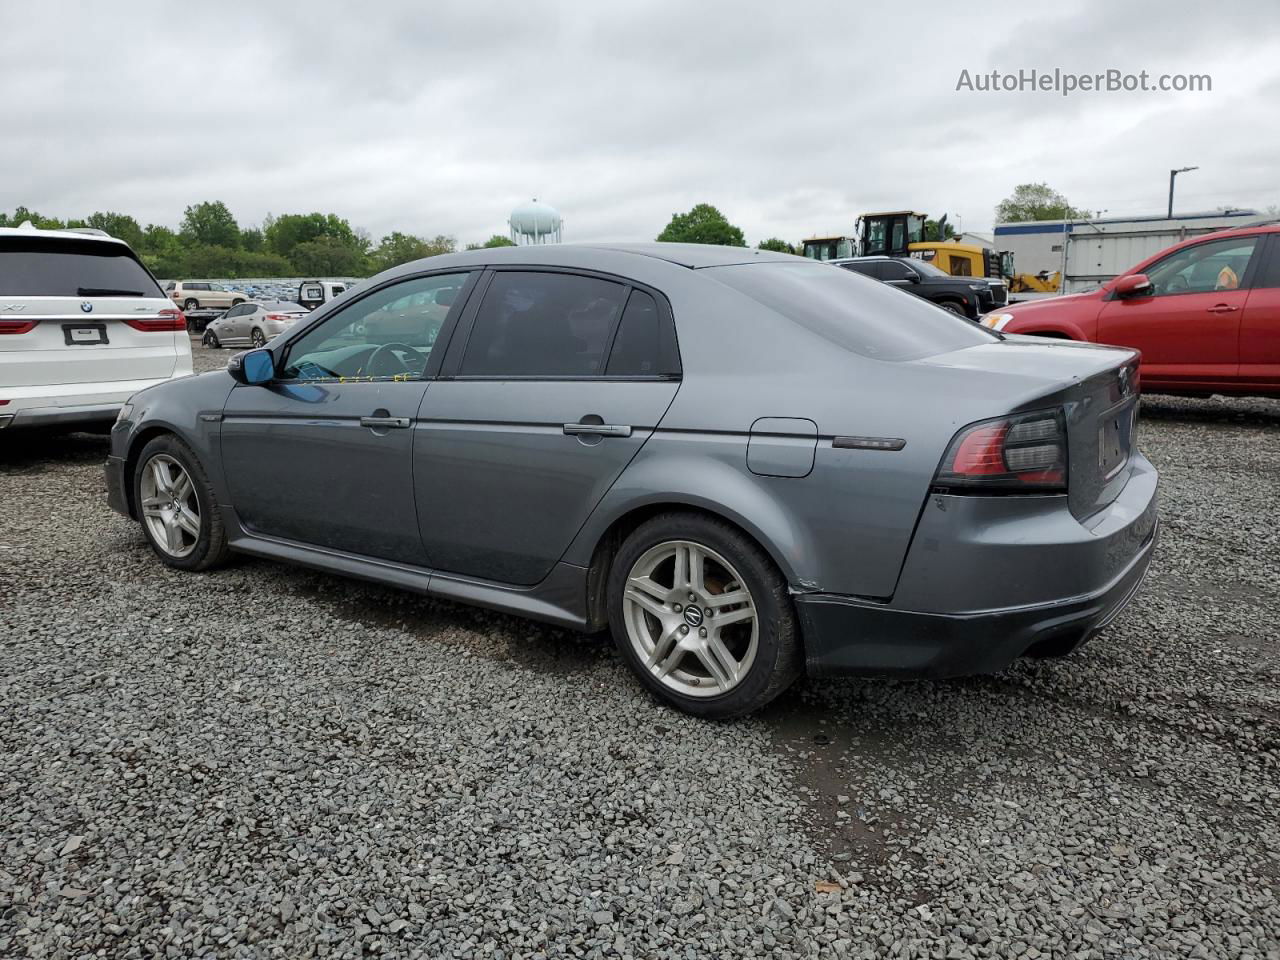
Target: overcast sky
column 433, row 117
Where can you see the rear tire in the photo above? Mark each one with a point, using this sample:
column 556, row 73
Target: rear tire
column 258, row 338
column 713, row 634
column 177, row 508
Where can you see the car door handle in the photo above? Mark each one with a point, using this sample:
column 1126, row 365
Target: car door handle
column 597, row 429
column 385, row 423
column 1222, row 308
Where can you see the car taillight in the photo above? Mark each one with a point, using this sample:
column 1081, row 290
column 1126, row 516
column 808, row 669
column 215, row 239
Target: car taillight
column 17, row 326
column 1027, row 451
column 165, row 321
column 282, row 317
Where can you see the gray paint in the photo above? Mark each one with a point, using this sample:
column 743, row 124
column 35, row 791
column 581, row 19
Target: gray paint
column 486, row 499
column 782, row 447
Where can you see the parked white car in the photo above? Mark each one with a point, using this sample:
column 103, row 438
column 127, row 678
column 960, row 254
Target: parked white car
column 83, row 326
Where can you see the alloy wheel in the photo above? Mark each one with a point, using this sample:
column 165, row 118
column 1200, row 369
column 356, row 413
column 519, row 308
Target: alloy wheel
column 257, row 338
column 691, row 618
column 170, row 508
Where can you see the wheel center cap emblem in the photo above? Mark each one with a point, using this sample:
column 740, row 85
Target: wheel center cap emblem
column 693, row 616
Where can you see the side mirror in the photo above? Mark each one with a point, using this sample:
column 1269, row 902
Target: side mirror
column 252, row 368
column 912, row 277
column 1134, row 285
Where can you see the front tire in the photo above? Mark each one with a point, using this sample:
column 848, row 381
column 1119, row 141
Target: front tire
column 191, row 304
column 702, row 616
column 211, row 340
column 953, row 307
column 177, row 507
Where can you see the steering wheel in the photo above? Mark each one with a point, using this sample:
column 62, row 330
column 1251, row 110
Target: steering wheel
column 1177, row 284
column 387, row 350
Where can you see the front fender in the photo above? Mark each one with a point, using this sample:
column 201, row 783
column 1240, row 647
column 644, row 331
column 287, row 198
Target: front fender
column 191, row 409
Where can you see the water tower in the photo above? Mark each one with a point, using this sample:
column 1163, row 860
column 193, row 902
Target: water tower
column 535, row 222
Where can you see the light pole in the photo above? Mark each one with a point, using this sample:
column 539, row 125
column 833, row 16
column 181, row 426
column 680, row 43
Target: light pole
column 1172, row 175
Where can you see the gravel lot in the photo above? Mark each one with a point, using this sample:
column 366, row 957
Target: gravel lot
column 269, row 762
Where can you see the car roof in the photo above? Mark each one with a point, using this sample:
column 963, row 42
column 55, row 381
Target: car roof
column 694, row 256
column 72, row 233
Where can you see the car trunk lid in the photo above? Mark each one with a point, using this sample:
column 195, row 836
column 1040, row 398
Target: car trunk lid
column 1097, row 387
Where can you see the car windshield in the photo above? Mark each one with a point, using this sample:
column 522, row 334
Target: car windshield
column 852, row 311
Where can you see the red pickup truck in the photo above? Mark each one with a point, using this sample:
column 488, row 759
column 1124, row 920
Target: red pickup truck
column 1205, row 313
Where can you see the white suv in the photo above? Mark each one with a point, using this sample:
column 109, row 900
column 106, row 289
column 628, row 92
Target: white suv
column 203, row 295
column 83, row 327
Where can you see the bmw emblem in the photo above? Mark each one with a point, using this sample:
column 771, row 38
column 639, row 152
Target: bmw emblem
column 86, row 307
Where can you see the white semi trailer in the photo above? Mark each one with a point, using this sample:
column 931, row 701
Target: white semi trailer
column 1090, row 252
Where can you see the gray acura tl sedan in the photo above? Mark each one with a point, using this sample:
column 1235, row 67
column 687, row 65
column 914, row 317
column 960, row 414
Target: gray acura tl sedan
column 747, row 465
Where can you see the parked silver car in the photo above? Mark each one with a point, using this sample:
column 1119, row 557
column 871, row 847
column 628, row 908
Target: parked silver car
column 252, row 324
column 747, row 465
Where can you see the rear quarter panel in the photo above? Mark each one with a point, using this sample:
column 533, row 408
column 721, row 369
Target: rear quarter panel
column 846, row 527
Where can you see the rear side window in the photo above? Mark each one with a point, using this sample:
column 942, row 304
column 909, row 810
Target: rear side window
column 543, row 325
column 645, row 345
column 852, row 312
column 45, row 267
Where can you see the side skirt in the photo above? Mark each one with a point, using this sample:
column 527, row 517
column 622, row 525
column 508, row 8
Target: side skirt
column 559, row 599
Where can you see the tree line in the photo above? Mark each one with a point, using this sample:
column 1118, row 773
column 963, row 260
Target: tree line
column 210, row 243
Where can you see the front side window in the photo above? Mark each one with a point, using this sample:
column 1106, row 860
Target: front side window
column 1269, row 275
column 543, row 325
column 1203, row 268
column 892, row 270
column 387, row 335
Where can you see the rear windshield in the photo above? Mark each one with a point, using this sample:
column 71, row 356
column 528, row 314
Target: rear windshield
column 852, row 311
column 45, row 267
column 280, row 306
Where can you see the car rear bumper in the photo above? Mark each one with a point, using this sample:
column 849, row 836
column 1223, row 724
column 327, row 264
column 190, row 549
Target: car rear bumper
column 1039, row 584
column 64, row 403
